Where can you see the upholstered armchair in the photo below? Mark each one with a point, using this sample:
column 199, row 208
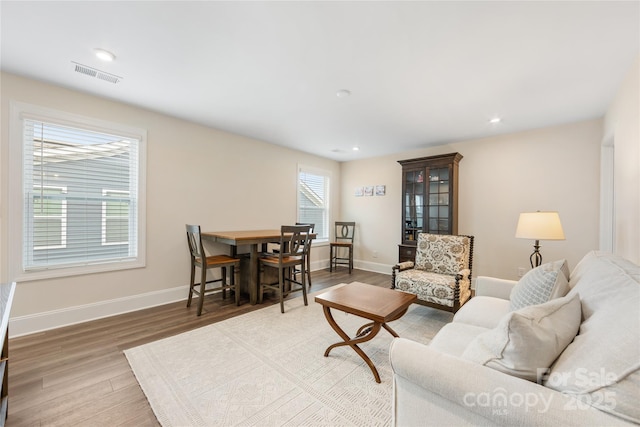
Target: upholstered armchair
column 440, row 276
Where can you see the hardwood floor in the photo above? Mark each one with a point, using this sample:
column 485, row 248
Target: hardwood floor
column 78, row 375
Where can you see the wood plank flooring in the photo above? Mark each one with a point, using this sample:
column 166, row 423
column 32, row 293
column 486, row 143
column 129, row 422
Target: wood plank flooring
column 78, row 375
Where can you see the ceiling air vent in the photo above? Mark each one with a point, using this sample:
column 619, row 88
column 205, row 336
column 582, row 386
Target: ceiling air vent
column 93, row 72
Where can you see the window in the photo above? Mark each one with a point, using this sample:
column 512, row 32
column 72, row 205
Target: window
column 313, row 200
column 78, row 206
column 115, row 217
column 49, row 218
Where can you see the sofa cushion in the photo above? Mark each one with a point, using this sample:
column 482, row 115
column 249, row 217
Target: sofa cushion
column 483, row 311
column 601, row 367
column 442, row 254
column 541, row 284
column 453, row 338
column 528, row 340
column 584, row 266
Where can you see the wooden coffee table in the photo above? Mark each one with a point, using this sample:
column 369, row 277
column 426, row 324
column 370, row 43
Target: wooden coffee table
column 380, row 305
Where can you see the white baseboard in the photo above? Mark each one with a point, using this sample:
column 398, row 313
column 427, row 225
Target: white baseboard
column 373, row 266
column 39, row 322
column 361, row 265
column 33, row 323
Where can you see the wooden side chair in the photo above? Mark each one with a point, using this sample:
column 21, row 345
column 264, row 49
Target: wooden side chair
column 344, row 232
column 201, row 260
column 292, row 253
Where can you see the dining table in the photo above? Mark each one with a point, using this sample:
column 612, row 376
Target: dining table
column 251, row 238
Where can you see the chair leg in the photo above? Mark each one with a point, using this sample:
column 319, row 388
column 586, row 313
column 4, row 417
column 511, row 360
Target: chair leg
column 309, row 271
column 334, row 258
column 236, row 283
column 260, row 287
column 224, row 282
column 281, row 286
column 350, row 258
column 203, row 284
column 304, row 284
column 191, row 283
column 330, row 258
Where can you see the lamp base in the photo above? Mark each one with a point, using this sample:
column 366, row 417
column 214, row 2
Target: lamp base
column 536, row 257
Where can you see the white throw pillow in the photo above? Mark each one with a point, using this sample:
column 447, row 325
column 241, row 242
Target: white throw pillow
column 543, row 283
column 527, row 341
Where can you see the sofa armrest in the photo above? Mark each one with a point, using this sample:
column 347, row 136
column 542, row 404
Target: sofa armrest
column 444, row 389
column 494, row 287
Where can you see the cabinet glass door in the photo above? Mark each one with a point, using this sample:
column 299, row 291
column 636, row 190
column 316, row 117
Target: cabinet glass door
column 414, row 203
column 438, row 208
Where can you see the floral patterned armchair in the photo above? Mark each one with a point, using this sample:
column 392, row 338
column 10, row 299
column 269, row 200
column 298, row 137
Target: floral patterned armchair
column 441, row 273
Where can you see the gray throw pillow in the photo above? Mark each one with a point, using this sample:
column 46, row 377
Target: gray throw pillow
column 540, row 285
column 527, row 341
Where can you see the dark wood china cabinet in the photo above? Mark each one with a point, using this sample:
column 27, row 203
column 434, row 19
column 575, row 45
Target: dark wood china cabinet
column 429, row 199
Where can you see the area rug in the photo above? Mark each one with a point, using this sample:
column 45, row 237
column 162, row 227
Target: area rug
column 265, row 368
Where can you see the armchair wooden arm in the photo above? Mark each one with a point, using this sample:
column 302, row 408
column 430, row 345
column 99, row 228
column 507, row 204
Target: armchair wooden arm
column 401, row 266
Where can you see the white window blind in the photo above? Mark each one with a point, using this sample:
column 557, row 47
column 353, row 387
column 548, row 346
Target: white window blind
column 49, row 218
column 80, row 196
column 115, row 217
column 313, row 200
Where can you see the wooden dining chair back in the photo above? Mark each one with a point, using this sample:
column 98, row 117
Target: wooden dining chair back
column 312, row 228
column 200, row 259
column 343, row 243
column 293, row 250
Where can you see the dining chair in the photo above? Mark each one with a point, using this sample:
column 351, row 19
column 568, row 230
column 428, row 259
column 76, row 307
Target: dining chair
column 293, row 250
column 200, row 259
column 275, row 248
column 312, row 228
column 344, row 232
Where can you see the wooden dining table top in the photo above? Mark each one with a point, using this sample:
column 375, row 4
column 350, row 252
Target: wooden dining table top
column 246, row 237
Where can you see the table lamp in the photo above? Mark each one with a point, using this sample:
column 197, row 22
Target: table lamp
column 539, row 226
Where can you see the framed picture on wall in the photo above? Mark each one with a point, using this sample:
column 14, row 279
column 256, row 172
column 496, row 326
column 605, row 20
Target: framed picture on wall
column 368, row 190
column 358, row 192
column 381, row 190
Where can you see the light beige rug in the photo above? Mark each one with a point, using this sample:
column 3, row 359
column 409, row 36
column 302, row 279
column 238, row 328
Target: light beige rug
column 265, row 368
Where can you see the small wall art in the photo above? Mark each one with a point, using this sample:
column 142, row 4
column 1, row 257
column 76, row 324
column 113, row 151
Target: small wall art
column 358, row 192
column 368, row 190
column 381, row 190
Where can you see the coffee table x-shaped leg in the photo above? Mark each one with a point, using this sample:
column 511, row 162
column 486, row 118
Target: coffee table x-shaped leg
column 376, row 304
column 365, row 333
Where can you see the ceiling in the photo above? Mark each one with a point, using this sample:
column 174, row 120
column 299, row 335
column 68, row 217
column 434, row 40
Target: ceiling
column 419, row 73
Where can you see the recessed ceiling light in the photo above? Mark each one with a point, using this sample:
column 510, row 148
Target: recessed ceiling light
column 495, row 120
column 343, row 93
column 356, row 148
column 104, row 55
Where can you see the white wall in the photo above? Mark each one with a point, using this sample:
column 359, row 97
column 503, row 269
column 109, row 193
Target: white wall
column 622, row 128
column 546, row 169
column 201, row 175
column 195, row 175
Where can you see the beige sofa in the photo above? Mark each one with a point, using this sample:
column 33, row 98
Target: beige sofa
column 496, row 364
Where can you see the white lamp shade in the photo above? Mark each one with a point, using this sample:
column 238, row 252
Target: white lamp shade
column 539, row 226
